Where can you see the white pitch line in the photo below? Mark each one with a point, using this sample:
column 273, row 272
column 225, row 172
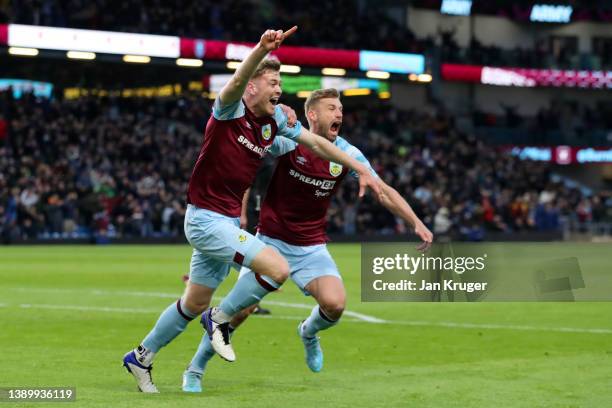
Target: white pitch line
column 500, row 326
column 353, row 320
column 357, row 317
column 98, row 292
column 88, row 308
column 133, row 310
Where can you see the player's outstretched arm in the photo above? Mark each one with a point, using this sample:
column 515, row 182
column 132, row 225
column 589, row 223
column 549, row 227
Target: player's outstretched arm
column 328, row 151
column 270, row 41
column 394, row 202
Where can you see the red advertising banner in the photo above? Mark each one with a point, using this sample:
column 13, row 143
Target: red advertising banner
column 3, row 34
column 461, row 72
column 307, row 56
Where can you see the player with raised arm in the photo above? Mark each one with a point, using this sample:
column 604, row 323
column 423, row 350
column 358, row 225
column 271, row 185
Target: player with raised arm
column 293, row 220
column 245, row 122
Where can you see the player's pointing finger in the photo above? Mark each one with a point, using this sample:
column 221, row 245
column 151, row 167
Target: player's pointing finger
column 290, row 31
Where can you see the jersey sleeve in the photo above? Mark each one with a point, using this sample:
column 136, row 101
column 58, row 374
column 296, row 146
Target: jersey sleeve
column 283, row 129
column 356, row 154
column 230, row 111
column 281, row 145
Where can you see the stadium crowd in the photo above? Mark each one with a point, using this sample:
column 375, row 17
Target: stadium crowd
column 119, row 168
column 562, row 122
column 361, row 27
column 458, row 184
column 545, row 54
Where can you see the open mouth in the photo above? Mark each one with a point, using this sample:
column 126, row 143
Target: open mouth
column 335, row 126
column 274, row 101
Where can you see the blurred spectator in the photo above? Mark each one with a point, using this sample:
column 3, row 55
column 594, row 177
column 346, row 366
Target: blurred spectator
column 442, row 222
column 3, row 129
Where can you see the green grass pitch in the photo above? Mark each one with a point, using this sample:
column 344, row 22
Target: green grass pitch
column 68, row 314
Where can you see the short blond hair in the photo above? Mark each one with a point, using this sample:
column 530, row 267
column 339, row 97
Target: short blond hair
column 316, row 95
column 268, row 64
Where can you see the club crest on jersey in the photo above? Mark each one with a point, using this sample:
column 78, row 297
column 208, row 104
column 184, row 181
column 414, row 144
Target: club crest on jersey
column 266, row 132
column 242, row 238
column 335, row 169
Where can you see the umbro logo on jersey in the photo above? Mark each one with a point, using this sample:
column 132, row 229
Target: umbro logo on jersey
column 249, row 125
column 301, row 160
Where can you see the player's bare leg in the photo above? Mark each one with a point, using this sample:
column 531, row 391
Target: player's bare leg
column 269, row 270
column 331, row 298
column 258, row 309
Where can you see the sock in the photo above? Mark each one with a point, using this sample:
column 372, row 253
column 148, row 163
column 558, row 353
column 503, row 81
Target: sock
column 316, row 322
column 144, row 355
column 247, row 291
column 170, row 324
column 204, row 354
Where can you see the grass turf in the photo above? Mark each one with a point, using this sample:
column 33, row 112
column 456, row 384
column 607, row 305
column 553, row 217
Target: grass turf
column 69, row 314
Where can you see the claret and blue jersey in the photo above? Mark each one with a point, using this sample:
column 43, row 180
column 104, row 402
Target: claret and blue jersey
column 235, row 142
column 299, row 194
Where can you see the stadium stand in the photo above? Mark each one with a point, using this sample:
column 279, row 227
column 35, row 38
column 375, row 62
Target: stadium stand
column 361, row 28
column 119, row 167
